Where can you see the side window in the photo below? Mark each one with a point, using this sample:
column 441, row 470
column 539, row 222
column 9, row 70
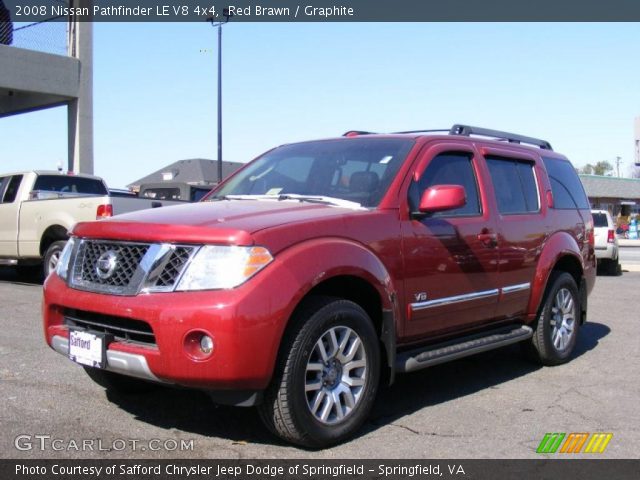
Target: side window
column 451, row 168
column 514, row 184
column 12, row 189
column 3, row 184
column 565, row 185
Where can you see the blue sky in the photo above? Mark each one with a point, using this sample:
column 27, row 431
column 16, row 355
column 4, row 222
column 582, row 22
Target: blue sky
column 576, row 85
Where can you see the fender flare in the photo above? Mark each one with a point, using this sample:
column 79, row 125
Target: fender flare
column 558, row 246
column 315, row 261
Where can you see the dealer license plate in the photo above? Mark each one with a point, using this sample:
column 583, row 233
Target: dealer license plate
column 87, row 348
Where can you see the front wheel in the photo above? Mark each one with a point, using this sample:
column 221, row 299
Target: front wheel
column 558, row 322
column 327, row 374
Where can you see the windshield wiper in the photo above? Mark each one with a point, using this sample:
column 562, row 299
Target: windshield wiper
column 338, row 202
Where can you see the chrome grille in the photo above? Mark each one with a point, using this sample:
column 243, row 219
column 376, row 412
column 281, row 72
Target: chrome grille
column 127, row 268
column 128, row 258
column 172, row 270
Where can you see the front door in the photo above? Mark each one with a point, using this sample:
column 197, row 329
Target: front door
column 450, row 257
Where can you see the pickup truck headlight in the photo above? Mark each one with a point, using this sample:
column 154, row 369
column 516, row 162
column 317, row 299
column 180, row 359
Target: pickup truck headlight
column 63, row 263
column 216, row 267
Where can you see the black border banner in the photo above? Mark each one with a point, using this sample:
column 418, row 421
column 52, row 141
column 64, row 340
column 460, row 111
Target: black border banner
column 326, row 10
column 419, row 469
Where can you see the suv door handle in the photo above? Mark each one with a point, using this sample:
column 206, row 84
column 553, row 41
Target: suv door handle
column 489, row 239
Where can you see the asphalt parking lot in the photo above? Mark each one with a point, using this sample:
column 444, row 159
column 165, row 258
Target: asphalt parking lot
column 495, row 405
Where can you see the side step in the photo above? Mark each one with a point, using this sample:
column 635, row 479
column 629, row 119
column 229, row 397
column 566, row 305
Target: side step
column 462, row 347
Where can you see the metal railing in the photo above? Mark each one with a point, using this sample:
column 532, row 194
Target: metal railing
column 48, row 35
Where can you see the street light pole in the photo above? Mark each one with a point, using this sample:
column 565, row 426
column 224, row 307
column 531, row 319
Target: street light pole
column 219, row 103
column 227, row 15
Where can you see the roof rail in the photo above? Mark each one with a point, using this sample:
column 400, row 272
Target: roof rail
column 467, row 131
column 355, row 133
column 426, row 130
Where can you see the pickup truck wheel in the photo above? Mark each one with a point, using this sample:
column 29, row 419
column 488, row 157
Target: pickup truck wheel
column 52, row 256
column 558, row 322
column 327, row 375
column 613, row 267
column 118, row 383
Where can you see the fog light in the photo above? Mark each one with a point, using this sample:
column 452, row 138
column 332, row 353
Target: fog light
column 206, row 344
column 199, row 345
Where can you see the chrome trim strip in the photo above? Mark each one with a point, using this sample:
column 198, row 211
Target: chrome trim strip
column 119, row 362
column 516, row 288
column 455, row 299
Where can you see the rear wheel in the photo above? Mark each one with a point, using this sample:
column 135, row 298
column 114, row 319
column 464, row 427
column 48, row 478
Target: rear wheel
column 613, row 267
column 52, row 257
column 118, row 383
column 327, row 375
column 558, row 321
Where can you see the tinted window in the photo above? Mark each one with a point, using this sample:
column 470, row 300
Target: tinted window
column 198, row 193
column 356, row 169
column 514, row 184
column 600, row 220
column 70, row 184
column 565, row 185
column 161, row 193
column 448, row 169
column 12, row 189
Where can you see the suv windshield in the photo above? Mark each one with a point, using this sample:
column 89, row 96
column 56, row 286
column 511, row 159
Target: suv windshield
column 356, row 170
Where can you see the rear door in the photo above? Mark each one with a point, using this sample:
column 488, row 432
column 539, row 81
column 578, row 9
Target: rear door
column 450, row 259
column 9, row 214
column 521, row 224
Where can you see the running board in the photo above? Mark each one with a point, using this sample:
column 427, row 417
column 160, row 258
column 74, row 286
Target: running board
column 463, row 347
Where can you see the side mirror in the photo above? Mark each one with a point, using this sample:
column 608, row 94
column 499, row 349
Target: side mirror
column 442, row 197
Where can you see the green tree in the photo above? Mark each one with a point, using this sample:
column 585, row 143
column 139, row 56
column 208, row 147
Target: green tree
column 602, row 168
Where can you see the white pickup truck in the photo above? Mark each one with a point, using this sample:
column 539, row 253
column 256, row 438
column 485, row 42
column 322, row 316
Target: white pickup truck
column 37, row 209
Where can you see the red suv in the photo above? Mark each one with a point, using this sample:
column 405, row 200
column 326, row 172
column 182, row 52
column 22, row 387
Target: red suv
column 322, row 268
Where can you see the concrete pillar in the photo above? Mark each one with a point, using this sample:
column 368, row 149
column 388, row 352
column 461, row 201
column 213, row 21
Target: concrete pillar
column 636, row 140
column 80, row 110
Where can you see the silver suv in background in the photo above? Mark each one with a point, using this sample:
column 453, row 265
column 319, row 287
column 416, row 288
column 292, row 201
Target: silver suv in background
column 606, row 243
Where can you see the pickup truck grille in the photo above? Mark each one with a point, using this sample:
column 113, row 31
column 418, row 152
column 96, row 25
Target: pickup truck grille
column 122, row 329
column 128, row 268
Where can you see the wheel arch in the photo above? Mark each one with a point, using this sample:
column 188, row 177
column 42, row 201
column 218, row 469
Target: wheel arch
column 351, row 272
column 561, row 253
column 53, row 233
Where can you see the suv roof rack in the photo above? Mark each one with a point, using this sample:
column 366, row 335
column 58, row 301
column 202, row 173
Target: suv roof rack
column 355, row 133
column 467, row 131
column 426, row 130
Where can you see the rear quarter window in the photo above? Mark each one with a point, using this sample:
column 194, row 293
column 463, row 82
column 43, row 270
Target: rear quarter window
column 568, row 192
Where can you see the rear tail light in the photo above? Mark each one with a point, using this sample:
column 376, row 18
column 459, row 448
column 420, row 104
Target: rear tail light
column 611, row 236
column 104, row 211
column 591, row 236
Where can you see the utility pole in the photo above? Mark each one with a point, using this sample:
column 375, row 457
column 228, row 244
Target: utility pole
column 227, row 15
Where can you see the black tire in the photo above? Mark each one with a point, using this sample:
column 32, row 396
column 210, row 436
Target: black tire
column 287, row 409
column 545, row 346
column 117, row 383
column 51, row 256
column 613, row 267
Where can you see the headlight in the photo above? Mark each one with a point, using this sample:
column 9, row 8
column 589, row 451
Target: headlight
column 216, row 267
column 63, row 263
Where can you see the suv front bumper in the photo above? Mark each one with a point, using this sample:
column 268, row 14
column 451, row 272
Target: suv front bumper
column 245, row 323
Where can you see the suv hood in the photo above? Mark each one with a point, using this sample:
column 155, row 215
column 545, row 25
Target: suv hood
column 225, row 221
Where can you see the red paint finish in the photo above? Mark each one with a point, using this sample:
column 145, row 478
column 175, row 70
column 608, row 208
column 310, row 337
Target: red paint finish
column 406, row 260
